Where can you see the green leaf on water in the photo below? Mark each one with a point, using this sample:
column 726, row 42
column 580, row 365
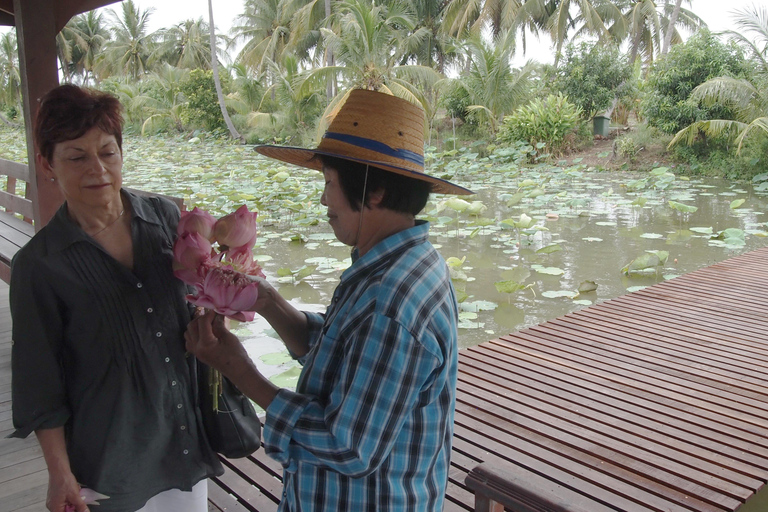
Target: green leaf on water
column 549, row 249
column 738, row 202
column 685, row 208
column 552, row 271
column 587, row 286
column 702, row 230
column 509, row 286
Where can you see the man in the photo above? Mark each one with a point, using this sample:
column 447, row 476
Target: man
column 369, row 426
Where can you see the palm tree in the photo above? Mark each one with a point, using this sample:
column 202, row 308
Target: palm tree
column 297, row 103
column 132, row 47
column 264, row 27
column 164, row 107
column 494, row 88
column 747, row 97
column 368, row 47
column 94, row 36
column 10, row 75
column 186, row 45
column 66, row 40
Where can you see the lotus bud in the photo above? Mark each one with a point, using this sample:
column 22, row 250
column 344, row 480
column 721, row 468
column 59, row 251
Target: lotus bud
column 197, row 221
column 236, row 229
column 191, row 257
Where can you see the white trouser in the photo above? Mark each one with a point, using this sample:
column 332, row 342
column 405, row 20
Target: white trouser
column 175, row 500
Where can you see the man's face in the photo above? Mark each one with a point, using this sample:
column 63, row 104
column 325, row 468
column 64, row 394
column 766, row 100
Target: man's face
column 342, row 218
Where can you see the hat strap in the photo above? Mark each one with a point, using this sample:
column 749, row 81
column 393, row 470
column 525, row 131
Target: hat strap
column 379, row 147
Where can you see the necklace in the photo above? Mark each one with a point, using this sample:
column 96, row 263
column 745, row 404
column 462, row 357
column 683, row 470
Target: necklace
column 110, row 224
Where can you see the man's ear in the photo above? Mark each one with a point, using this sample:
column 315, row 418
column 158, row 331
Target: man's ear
column 376, row 197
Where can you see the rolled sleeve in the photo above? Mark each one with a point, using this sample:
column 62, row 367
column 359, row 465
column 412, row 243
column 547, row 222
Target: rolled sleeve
column 38, row 391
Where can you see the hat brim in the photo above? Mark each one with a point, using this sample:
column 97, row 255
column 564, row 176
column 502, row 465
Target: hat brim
column 304, row 157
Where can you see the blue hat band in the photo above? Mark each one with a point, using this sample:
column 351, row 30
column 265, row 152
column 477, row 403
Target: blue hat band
column 379, row 147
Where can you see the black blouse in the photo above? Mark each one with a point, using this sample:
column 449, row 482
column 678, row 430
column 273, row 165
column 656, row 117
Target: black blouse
column 99, row 349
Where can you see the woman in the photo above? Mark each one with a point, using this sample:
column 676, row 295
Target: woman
column 370, row 424
column 99, row 367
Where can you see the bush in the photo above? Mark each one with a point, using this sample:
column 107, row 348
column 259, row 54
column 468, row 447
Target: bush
column 202, row 109
column 592, row 75
column 551, row 121
column 667, row 104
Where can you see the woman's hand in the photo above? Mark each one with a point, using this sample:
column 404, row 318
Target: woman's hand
column 64, row 493
column 208, row 338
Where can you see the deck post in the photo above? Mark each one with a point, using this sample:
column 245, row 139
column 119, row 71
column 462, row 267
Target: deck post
column 36, row 33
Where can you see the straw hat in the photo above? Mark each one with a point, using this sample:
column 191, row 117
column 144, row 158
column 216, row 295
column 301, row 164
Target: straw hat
column 372, row 128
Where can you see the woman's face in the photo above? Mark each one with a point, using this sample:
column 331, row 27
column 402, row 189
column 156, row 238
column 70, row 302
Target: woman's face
column 343, row 219
column 88, row 169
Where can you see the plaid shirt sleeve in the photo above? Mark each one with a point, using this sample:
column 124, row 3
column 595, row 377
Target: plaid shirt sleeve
column 354, row 431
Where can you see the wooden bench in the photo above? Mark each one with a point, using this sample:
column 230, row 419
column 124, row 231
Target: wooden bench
column 15, row 231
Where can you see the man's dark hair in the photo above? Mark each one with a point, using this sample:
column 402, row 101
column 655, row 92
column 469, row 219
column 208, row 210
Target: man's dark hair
column 67, row 112
column 401, row 193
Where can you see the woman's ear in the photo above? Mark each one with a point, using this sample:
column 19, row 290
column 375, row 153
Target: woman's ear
column 42, row 163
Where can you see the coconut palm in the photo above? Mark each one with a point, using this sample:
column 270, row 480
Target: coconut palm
column 93, row 35
column 264, row 27
column 185, row 45
column 162, row 109
column 10, row 75
column 217, row 80
column 289, row 105
column 494, row 87
column 130, row 51
column 747, row 97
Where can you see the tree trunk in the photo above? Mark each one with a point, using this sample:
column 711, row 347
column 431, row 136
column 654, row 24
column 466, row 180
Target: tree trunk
column 217, row 81
column 671, row 27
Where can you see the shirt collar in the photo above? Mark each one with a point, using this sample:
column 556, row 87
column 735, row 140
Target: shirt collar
column 63, row 231
column 385, row 250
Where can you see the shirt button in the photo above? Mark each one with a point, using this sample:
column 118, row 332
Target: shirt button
column 139, row 285
column 158, row 334
column 186, row 452
column 149, row 310
column 178, row 406
column 167, row 359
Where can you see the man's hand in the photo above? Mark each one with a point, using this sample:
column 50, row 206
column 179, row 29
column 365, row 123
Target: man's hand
column 208, row 338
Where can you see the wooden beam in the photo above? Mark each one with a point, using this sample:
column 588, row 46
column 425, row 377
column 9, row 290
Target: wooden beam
column 66, row 9
column 36, row 33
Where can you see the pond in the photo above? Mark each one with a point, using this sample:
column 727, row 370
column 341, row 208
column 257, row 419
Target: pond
column 531, row 245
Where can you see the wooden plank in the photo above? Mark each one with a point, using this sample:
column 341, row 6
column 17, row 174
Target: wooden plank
column 14, row 169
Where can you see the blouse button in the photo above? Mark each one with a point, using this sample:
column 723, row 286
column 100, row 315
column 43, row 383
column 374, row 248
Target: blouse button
column 167, row 359
column 158, row 334
column 173, row 382
column 149, row 310
column 139, row 285
column 178, row 406
column 186, row 452
column 183, row 427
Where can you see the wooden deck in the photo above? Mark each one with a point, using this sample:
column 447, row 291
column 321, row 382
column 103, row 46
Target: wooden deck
column 656, row 400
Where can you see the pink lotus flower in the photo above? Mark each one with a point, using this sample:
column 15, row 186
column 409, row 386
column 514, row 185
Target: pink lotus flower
column 89, row 496
column 227, row 292
column 191, row 255
column 241, row 260
column 236, row 229
column 197, row 221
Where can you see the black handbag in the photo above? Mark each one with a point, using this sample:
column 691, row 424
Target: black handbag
column 234, row 430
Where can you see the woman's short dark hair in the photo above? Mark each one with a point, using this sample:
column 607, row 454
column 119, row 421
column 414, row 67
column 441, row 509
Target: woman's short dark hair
column 69, row 112
column 401, row 193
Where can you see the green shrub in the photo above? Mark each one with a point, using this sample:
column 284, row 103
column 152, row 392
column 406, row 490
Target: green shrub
column 551, row 121
column 202, row 109
column 592, row 75
column 667, row 104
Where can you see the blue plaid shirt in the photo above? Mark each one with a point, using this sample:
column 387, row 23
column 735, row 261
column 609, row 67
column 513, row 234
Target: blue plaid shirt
column 370, row 424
